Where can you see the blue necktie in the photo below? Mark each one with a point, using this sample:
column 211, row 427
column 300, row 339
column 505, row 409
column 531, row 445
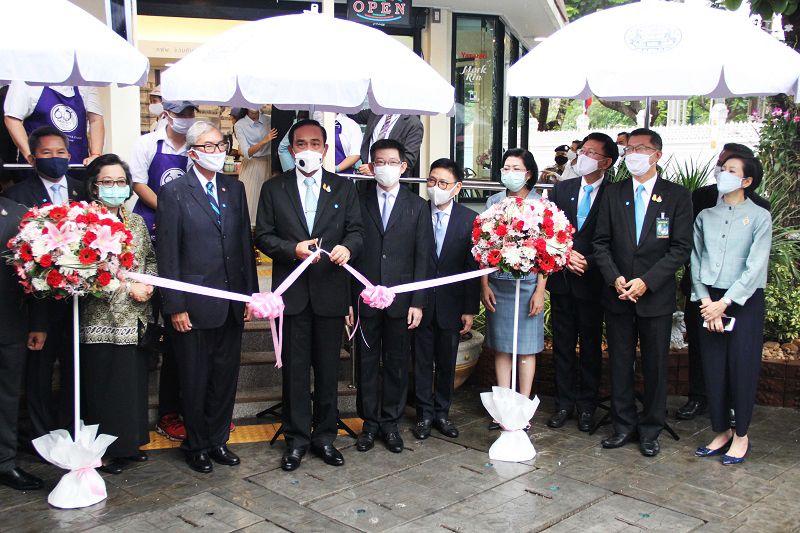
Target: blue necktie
column 311, row 204
column 586, row 205
column 638, row 210
column 387, row 210
column 57, row 197
column 440, row 231
column 210, row 194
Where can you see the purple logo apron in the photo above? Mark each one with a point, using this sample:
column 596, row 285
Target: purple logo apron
column 340, row 155
column 163, row 169
column 65, row 113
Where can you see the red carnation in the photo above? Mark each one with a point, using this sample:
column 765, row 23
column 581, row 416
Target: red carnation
column 46, row 260
column 87, row 256
column 548, row 232
column 126, row 259
column 88, row 238
column 29, row 214
column 57, row 213
column 104, row 278
column 10, row 243
column 128, row 237
column 519, row 224
column 476, row 233
column 25, row 252
column 540, row 245
column 74, row 278
column 562, row 237
column 477, row 222
column 55, row 279
column 520, row 201
column 547, row 223
column 81, row 219
column 494, row 257
column 548, row 213
column 478, row 258
column 92, row 217
column 501, row 230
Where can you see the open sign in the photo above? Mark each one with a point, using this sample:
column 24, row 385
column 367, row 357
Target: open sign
column 380, row 12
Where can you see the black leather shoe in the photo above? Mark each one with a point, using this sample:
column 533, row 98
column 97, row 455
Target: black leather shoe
column 393, row 441
column 649, row 448
column 585, row 421
column 291, row 458
column 691, row 409
column 18, row 479
column 328, row 454
column 446, row 427
column 222, row 455
column 732, row 418
column 365, row 441
column 617, row 440
column 423, row 429
column 559, row 418
column 140, row 457
column 112, row 466
column 200, row 462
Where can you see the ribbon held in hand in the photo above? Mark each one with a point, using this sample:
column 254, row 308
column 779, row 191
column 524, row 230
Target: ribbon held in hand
column 378, row 296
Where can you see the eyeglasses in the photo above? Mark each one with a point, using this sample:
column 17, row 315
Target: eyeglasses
column 210, row 148
column 391, row 163
column 591, row 153
column 440, row 183
column 640, row 149
column 112, row 183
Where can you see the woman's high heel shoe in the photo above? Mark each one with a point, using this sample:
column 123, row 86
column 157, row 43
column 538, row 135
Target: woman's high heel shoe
column 708, row 452
column 727, row 460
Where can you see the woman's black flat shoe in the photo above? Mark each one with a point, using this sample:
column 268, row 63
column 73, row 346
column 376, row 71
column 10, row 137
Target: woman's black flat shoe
column 113, row 466
column 708, row 452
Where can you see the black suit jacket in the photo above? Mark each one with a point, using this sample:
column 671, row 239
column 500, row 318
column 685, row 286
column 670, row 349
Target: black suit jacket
column 193, row 247
column 456, row 299
column 31, row 192
column 281, row 224
column 397, row 255
column 408, row 130
column 654, row 260
column 589, row 285
column 18, row 314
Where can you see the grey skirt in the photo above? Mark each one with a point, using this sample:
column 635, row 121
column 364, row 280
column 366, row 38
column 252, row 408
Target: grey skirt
column 500, row 324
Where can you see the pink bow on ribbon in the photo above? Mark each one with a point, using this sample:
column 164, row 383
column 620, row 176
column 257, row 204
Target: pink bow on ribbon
column 81, row 473
column 270, row 305
column 378, row 296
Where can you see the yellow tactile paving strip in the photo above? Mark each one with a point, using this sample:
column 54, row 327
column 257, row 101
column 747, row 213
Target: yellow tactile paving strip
column 244, row 434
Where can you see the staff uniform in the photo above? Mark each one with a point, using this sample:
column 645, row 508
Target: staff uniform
column 730, row 260
column 348, row 138
column 256, row 169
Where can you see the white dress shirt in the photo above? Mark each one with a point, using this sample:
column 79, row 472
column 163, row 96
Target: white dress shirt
column 391, row 198
column 249, row 133
column 445, row 218
column 648, row 190
column 301, row 186
column 203, row 184
column 22, row 98
column 593, row 194
column 144, row 150
column 64, row 188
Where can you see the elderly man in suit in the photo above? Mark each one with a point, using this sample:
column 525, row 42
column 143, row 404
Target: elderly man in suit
column 24, row 328
column 575, row 291
column 451, row 308
column 297, row 211
column 406, row 129
column 203, row 237
column 643, row 236
column 397, row 237
column 49, row 156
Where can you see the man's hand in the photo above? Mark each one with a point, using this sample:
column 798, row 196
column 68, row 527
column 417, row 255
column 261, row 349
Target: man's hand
column 89, row 160
column 711, row 311
column 619, row 284
column 467, row 321
column 181, row 323
column 248, row 313
column 302, row 251
column 36, row 340
column 350, row 318
column 414, row 316
column 365, row 170
column 340, row 255
column 635, row 289
column 577, row 263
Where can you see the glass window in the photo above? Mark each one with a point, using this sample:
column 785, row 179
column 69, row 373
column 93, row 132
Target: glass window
column 508, row 108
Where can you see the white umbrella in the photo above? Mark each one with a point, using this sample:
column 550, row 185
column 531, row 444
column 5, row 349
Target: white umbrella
column 54, row 42
column 662, row 50
column 309, row 61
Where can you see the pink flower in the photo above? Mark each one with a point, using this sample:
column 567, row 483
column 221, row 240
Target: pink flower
column 777, row 112
column 797, row 118
column 55, row 239
column 106, row 241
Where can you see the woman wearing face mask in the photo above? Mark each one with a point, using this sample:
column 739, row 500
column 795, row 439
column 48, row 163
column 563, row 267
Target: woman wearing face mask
column 114, row 370
column 255, row 136
column 732, row 243
column 498, row 289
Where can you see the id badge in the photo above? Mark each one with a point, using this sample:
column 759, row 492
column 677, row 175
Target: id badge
column 662, row 227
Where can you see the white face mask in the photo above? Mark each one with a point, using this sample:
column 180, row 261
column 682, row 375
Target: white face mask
column 514, row 180
column 387, row 175
column 212, row 162
column 638, row 164
column 571, row 155
column 180, row 125
column 727, row 182
column 585, row 165
column 308, row 161
column 440, row 196
column 156, row 109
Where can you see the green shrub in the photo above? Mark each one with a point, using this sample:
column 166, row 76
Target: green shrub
column 782, row 302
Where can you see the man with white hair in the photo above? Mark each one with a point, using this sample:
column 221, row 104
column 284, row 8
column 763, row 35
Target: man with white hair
column 203, row 237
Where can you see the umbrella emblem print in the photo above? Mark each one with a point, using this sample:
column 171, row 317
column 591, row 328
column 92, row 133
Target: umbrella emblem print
column 652, row 38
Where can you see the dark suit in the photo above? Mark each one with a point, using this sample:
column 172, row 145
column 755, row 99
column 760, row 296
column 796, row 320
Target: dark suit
column 407, row 129
column 47, row 415
column 396, row 255
column 194, row 247
column 19, row 315
column 702, row 198
column 436, row 339
column 576, row 310
column 655, row 261
column 316, row 303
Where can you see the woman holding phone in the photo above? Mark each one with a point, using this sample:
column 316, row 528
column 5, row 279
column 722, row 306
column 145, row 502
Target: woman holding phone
column 729, row 272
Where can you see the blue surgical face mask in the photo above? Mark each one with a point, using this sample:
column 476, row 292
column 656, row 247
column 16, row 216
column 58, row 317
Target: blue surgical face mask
column 113, row 196
column 514, row 180
column 727, row 182
column 52, row 167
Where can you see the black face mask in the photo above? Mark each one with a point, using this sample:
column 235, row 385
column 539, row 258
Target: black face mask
column 52, row 167
column 561, row 160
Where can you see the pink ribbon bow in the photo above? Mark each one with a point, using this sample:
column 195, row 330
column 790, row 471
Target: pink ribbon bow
column 270, row 305
column 378, row 296
column 81, row 473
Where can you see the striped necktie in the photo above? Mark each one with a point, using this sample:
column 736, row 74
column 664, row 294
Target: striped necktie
column 385, row 128
column 210, row 194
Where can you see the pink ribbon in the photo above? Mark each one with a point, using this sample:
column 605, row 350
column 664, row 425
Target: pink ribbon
column 82, row 473
column 378, row 296
column 270, row 305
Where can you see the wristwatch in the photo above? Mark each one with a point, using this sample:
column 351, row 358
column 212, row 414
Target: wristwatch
column 727, row 300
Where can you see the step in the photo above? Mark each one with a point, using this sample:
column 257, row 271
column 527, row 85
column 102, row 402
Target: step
column 263, row 358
